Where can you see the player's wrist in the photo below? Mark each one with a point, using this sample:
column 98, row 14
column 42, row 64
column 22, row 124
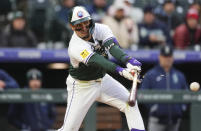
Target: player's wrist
column 119, row 69
column 133, row 64
column 133, row 61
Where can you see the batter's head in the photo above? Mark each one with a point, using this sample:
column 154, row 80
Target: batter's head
column 77, row 15
column 81, row 22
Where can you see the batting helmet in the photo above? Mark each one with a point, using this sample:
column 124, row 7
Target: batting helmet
column 79, row 14
column 34, row 74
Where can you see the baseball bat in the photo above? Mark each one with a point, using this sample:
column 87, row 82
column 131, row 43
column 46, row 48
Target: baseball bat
column 133, row 92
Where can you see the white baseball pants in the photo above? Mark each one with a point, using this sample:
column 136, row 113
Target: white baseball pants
column 82, row 94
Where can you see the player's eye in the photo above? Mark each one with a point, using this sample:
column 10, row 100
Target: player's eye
column 86, row 23
column 78, row 25
column 78, row 29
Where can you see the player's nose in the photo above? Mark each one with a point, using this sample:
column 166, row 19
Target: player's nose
column 84, row 28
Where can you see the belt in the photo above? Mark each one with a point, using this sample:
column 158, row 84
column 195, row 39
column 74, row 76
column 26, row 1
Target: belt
column 85, row 81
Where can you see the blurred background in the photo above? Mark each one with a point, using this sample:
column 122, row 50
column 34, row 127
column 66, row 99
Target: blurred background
column 34, row 36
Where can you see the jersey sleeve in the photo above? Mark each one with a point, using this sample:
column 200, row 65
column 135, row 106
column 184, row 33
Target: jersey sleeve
column 81, row 53
column 111, row 43
column 105, row 33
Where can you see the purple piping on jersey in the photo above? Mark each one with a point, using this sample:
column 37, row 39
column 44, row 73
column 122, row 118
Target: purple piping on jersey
column 136, row 130
column 69, row 106
column 88, row 58
column 115, row 41
column 107, row 39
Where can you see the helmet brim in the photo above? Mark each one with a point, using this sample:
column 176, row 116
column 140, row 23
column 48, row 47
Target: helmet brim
column 81, row 20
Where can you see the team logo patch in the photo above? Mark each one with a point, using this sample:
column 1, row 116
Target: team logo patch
column 84, row 54
column 80, row 14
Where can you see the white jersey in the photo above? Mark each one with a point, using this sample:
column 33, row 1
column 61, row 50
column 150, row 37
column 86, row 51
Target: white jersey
column 80, row 50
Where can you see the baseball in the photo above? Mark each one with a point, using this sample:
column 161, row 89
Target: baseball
column 194, row 86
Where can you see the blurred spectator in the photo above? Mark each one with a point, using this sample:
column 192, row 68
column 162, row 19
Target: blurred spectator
column 17, row 34
column 196, row 6
column 135, row 13
column 2, row 38
column 97, row 9
column 188, row 34
column 59, row 29
column 164, row 77
column 152, row 32
column 39, row 14
column 5, row 7
column 62, row 13
column 124, row 29
column 33, row 116
column 6, row 83
column 168, row 15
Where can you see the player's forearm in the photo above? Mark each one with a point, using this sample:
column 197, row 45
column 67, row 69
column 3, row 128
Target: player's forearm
column 100, row 61
column 116, row 52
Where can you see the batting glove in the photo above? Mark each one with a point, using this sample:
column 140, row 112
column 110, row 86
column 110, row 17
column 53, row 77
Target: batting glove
column 125, row 72
column 134, row 64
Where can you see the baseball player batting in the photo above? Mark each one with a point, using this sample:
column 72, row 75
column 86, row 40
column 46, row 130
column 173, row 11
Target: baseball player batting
column 88, row 81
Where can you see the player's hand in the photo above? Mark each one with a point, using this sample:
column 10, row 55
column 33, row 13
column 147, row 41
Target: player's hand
column 136, row 68
column 126, row 73
column 134, row 64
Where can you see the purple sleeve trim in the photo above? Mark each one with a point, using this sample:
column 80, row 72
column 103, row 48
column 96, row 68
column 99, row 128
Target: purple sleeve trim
column 107, row 39
column 119, row 69
column 88, row 58
column 136, row 130
column 115, row 41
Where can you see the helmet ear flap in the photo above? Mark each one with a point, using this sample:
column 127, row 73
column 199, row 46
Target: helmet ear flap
column 91, row 26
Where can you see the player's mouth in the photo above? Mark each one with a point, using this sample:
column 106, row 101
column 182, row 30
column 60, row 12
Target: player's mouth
column 85, row 31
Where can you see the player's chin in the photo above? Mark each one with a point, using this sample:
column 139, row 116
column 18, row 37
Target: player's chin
column 85, row 35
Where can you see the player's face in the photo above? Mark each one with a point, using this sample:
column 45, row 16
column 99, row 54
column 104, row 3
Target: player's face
column 82, row 29
column 35, row 84
column 166, row 61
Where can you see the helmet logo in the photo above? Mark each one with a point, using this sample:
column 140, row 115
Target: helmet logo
column 80, row 14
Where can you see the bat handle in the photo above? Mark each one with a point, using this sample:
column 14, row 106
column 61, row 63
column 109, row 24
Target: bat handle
column 133, row 93
column 132, row 98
